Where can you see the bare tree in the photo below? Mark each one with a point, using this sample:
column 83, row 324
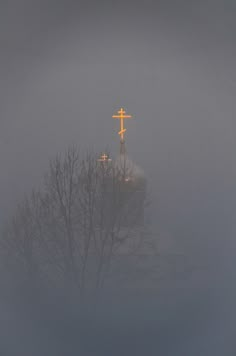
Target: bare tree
column 68, row 233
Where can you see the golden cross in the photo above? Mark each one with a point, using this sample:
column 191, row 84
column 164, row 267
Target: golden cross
column 104, row 158
column 121, row 116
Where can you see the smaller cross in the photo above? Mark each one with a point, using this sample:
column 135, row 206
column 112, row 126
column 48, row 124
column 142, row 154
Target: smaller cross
column 104, row 158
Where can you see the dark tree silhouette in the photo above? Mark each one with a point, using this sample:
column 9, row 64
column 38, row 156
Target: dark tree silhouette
column 68, row 233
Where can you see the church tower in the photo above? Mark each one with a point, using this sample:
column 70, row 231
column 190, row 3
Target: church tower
column 132, row 181
column 125, row 183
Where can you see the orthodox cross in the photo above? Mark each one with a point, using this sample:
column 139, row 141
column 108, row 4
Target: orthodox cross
column 122, row 115
column 104, row 158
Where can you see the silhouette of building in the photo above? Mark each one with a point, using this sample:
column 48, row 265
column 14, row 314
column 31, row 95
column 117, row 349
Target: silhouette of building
column 125, row 189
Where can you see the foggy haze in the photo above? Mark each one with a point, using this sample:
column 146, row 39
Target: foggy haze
column 67, row 66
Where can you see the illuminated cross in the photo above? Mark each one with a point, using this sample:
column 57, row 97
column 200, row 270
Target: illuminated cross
column 104, row 158
column 121, row 116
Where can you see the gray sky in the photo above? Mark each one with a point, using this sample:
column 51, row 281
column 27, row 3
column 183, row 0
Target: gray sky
column 67, row 66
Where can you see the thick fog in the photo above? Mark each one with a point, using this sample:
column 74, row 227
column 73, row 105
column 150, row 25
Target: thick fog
column 66, row 67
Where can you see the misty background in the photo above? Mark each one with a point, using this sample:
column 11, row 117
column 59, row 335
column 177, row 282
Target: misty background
column 67, row 66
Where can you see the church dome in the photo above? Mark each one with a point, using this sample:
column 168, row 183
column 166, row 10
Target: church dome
column 130, row 173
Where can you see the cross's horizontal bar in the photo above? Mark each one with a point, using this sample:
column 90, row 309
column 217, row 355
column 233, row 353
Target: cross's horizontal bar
column 122, row 116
